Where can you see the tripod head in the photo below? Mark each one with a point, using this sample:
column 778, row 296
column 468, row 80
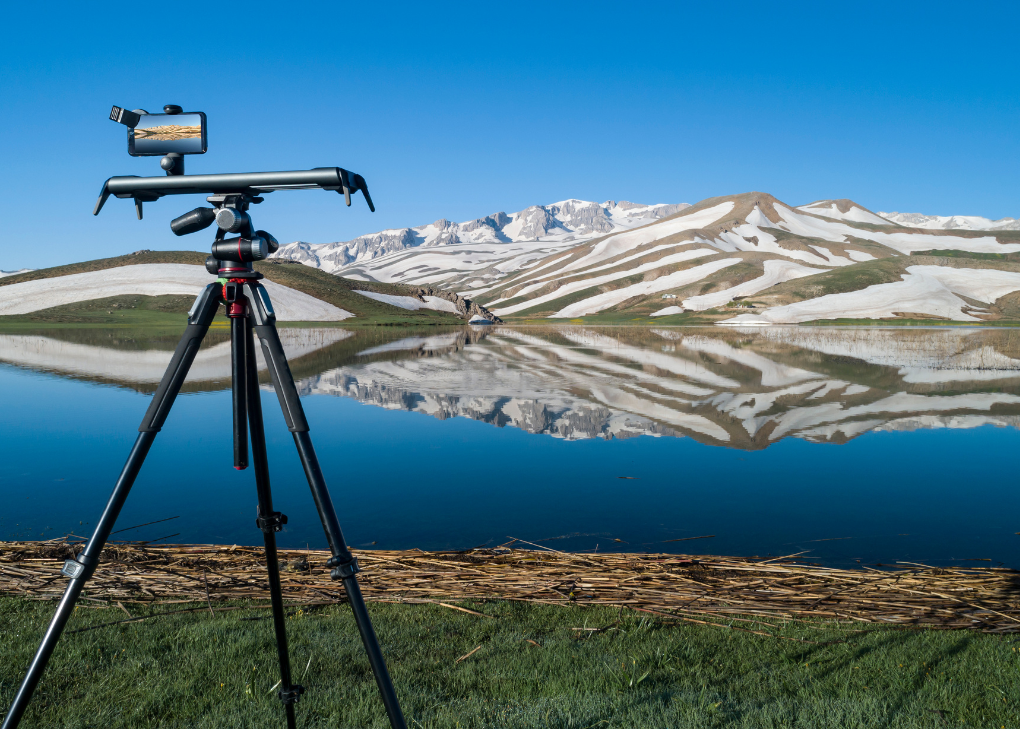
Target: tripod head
column 230, row 194
column 231, row 257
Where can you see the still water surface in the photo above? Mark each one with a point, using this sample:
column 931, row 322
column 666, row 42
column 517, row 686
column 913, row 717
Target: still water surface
column 846, row 445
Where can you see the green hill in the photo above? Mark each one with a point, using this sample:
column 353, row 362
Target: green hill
column 167, row 311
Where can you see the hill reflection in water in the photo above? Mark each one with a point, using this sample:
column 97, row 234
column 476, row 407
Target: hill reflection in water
column 739, row 388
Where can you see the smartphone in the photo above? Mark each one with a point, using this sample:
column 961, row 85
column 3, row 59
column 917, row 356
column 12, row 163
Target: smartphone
column 158, row 134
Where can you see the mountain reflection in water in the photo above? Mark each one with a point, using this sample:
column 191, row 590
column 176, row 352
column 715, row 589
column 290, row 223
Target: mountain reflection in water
column 740, row 388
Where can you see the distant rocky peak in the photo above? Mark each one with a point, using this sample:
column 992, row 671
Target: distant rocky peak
column 536, row 222
column 583, row 217
column 951, row 222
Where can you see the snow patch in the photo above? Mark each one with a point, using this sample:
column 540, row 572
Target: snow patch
column 594, row 304
column 587, row 283
column 924, row 290
column 776, row 272
column 623, row 242
column 410, row 303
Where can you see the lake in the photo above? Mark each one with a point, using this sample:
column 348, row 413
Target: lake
column 842, row 445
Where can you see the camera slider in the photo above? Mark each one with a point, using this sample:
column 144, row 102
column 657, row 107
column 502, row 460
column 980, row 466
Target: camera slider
column 252, row 184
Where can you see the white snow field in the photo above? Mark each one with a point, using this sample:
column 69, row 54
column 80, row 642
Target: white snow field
column 587, row 283
column 929, row 290
column 903, row 242
column 620, row 243
column 150, row 279
column 411, row 303
column 147, row 366
column 776, row 272
column 595, row 304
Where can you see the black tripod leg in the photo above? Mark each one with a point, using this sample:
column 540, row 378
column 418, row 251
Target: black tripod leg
column 239, row 344
column 81, row 567
column 269, row 522
column 344, row 565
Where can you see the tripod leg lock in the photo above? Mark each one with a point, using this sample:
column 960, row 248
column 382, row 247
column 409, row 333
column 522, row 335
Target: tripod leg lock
column 344, row 566
column 79, row 568
column 291, row 695
column 272, row 522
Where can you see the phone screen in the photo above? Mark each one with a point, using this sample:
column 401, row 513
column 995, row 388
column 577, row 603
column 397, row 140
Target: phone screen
column 159, row 134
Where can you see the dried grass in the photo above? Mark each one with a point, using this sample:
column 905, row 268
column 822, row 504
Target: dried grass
column 687, row 588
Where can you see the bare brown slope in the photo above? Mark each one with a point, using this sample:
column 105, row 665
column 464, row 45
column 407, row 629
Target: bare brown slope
column 843, row 205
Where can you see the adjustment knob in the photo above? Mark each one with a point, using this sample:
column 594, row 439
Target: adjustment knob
column 259, row 248
column 274, row 245
column 244, row 250
column 198, row 219
column 231, row 220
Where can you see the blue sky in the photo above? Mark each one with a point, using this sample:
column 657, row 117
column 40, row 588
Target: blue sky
column 461, row 110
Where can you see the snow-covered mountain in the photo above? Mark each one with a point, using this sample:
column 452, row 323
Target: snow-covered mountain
column 951, row 222
column 727, row 249
column 578, row 259
column 415, row 255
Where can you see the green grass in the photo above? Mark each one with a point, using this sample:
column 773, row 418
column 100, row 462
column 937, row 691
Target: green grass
column 132, row 310
column 837, row 281
column 197, row 670
column 954, row 253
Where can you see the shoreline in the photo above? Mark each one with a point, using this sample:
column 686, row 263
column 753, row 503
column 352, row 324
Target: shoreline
column 686, row 588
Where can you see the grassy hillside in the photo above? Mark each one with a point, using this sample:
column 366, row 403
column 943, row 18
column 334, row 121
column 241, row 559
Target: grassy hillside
column 522, row 667
column 166, row 311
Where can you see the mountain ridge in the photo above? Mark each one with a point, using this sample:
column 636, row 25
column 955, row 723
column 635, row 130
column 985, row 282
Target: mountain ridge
column 562, row 223
column 725, row 249
column 707, row 262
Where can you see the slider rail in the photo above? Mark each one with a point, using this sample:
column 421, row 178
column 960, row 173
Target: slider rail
column 148, row 189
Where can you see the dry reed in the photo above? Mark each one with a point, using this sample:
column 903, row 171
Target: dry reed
column 679, row 587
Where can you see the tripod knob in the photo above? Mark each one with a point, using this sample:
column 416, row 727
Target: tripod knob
column 241, row 249
column 231, row 220
column 274, row 245
column 198, row 219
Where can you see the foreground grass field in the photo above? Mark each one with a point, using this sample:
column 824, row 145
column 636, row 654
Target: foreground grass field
column 525, row 666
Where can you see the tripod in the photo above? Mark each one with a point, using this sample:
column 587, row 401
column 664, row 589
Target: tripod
column 251, row 315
